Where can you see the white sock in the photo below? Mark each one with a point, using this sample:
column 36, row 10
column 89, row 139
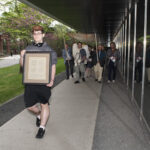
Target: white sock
column 43, row 127
column 39, row 116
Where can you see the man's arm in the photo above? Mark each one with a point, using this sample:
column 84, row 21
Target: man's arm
column 22, row 57
column 52, row 76
column 83, row 55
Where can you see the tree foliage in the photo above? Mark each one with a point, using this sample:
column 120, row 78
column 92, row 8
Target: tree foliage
column 20, row 18
column 17, row 20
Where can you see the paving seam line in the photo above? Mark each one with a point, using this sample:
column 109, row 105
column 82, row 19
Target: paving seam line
column 101, row 86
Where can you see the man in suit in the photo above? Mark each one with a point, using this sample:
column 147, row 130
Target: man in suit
column 100, row 57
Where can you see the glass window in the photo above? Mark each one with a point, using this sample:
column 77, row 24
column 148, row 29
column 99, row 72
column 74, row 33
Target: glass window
column 146, row 106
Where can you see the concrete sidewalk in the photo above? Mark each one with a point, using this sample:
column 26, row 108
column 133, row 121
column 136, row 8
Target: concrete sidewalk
column 70, row 127
column 118, row 126
column 75, row 111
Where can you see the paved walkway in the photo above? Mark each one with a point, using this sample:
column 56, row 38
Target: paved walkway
column 81, row 121
column 71, row 125
column 118, row 126
column 9, row 61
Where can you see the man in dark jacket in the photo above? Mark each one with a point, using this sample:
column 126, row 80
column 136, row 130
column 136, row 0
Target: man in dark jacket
column 68, row 60
column 113, row 56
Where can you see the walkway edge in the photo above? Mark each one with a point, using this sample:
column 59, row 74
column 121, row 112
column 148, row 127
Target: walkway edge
column 15, row 105
column 96, row 115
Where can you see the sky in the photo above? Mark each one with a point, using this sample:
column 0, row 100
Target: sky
column 2, row 8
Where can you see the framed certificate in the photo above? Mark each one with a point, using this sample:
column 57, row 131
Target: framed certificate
column 37, row 67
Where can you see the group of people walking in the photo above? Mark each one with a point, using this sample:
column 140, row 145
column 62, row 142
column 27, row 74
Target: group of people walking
column 80, row 58
column 84, row 59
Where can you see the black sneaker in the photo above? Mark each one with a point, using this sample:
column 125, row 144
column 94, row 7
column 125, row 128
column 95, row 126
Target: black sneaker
column 83, row 79
column 38, row 121
column 40, row 133
column 76, row 82
column 96, row 80
column 99, row 81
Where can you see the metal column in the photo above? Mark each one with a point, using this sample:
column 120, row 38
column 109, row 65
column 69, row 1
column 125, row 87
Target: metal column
column 96, row 46
column 122, row 47
column 125, row 49
column 144, row 56
column 134, row 48
column 129, row 32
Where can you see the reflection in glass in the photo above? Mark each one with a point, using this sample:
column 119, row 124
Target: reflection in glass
column 146, row 107
column 139, row 53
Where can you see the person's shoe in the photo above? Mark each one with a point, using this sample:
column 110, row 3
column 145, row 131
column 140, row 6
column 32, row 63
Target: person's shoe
column 76, row 82
column 99, row 81
column 96, row 80
column 72, row 76
column 83, row 79
column 40, row 133
column 67, row 78
column 108, row 81
column 38, row 121
column 113, row 81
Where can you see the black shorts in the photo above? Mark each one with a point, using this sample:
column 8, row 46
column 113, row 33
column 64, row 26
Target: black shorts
column 36, row 94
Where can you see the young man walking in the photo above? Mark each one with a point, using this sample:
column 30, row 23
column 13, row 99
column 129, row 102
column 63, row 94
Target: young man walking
column 79, row 59
column 39, row 93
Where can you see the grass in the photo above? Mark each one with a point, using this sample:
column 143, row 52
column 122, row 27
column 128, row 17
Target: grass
column 11, row 80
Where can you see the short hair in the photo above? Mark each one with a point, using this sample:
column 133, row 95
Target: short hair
column 113, row 43
column 101, row 45
column 37, row 28
column 80, row 43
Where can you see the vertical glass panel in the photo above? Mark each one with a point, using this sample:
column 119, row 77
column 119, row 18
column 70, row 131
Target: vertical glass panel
column 126, row 55
column 139, row 52
column 131, row 50
column 146, row 107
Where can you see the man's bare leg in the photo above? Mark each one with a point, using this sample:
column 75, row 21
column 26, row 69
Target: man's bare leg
column 45, row 112
column 44, row 118
column 35, row 110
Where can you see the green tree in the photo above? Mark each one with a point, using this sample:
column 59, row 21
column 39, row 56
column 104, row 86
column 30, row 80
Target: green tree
column 19, row 20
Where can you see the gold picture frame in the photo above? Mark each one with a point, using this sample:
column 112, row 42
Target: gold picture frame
column 37, row 67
